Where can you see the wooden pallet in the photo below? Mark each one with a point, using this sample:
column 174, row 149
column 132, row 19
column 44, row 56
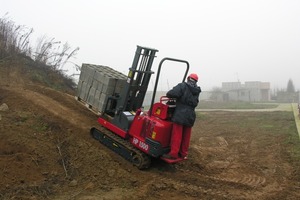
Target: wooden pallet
column 88, row 106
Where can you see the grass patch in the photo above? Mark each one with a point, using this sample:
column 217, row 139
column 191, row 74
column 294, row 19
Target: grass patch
column 21, row 118
column 293, row 145
column 41, row 125
column 201, row 116
column 267, row 126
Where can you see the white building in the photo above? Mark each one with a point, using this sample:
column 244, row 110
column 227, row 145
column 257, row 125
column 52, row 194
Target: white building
column 251, row 91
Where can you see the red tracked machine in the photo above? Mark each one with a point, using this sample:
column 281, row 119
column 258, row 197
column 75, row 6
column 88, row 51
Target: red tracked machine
column 135, row 134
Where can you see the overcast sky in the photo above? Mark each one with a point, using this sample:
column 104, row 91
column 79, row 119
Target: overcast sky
column 223, row 40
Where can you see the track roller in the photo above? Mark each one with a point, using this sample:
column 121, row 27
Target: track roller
column 122, row 147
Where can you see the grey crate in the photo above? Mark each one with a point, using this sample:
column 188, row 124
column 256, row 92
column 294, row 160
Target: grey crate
column 79, row 88
column 120, row 85
column 102, row 102
column 108, row 89
column 95, row 84
column 84, row 91
column 97, row 99
column 91, row 96
column 109, row 80
column 98, row 75
column 87, row 72
column 100, row 87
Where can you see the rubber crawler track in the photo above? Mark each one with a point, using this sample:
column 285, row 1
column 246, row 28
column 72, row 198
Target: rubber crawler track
column 144, row 160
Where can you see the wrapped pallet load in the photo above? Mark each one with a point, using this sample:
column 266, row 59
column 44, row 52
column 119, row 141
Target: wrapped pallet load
column 97, row 83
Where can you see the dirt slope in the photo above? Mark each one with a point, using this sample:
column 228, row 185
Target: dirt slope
column 46, row 152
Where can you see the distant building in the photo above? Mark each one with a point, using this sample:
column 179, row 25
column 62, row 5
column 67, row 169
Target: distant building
column 251, row 91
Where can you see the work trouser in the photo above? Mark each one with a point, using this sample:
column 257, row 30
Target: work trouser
column 180, row 140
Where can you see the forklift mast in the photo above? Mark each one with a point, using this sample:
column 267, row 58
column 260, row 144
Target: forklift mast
column 121, row 107
column 133, row 94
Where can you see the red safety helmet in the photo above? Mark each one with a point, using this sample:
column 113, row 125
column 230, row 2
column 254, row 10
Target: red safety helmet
column 193, row 76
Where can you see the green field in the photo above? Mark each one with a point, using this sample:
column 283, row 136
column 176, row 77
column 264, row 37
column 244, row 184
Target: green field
column 235, row 105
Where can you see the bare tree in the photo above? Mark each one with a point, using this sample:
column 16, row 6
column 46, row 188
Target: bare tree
column 13, row 39
column 52, row 53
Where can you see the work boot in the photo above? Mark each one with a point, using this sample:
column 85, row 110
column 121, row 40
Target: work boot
column 184, row 157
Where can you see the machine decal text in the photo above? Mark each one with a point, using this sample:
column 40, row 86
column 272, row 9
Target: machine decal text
column 141, row 144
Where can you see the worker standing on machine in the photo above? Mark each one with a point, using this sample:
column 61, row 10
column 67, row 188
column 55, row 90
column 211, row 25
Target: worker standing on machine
column 187, row 98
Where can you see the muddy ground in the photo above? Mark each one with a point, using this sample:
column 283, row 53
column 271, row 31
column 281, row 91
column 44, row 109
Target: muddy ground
column 46, row 152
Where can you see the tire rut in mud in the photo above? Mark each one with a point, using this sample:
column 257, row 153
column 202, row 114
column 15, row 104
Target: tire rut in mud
column 197, row 184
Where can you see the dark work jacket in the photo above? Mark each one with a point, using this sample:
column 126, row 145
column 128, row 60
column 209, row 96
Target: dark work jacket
column 187, row 99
